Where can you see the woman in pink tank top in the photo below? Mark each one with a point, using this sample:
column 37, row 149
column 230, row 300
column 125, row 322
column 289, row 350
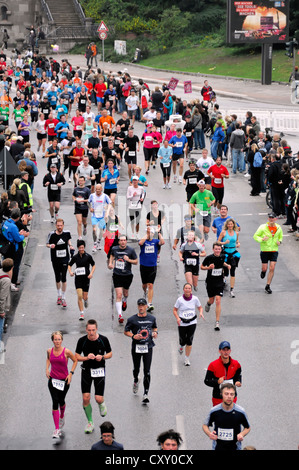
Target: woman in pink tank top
column 59, row 379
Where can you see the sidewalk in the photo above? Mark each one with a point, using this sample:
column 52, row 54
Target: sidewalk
column 227, row 87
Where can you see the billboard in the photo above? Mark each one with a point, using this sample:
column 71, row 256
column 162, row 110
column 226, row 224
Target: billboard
column 257, row 21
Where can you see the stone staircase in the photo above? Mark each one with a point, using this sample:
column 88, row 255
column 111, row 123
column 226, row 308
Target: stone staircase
column 64, row 13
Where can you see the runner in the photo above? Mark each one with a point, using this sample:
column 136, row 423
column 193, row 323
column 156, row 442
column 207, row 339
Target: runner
column 93, row 350
column 107, row 441
column 81, row 197
column 189, row 254
column 200, row 203
column 223, row 370
column 229, row 239
column 230, row 422
column 59, row 380
column 59, row 241
column 165, row 155
column 54, row 180
column 142, row 329
column 149, row 249
column 131, row 145
column 83, row 274
column 98, row 205
column 179, row 144
column 191, row 178
column 135, row 197
column 169, row 440
column 218, row 173
column 110, row 177
column 218, row 222
column 113, row 224
column 203, row 164
column 182, row 233
column 184, row 311
column 270, row 237
column 214, row 264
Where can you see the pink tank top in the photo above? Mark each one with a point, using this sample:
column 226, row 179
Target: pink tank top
column 59, row 368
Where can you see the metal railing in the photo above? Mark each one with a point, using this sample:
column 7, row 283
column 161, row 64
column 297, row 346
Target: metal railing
column 79, row 11
column 73, row 32
column 47, row 11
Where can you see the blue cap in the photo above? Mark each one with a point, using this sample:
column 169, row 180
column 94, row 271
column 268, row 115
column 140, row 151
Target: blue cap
column 224, row 344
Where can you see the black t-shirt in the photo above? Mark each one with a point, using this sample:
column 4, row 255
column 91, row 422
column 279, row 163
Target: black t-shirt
column 100, row 347
column 214, row 275
column 192, row 177
column 83, row 264
column 126, row 123
column 131, row 142
column 59, row 254
column 144, row 326
column 83, row 193
column 122, row 267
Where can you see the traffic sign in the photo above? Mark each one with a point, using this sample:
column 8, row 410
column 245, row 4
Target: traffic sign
column 102, row 35
column 102, row 27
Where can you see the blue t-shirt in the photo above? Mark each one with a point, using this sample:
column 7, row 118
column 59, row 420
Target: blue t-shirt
column 110, row 177
column 218, row 223
column 179, row 143
column 165, row 153
column 149, row 252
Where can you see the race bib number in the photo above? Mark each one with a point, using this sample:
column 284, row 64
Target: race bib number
column 141, row 348
column 217, row 272
column 225, row 434
column 100, row 372
column 191, row 262
column 166, row 165
column 54, row 187
column 54, row 160
column 204, row 213
column 217, row 180
column 187, row 314
column 80, row 271
column 131, row 154
column 96, row 171
column 188, row 134
column 112, row 181
column 60, row 253
column 119, row 264
column 148, row 138
column 58, row 384
column 149, row 249
column 192, row 180
column 179, row 144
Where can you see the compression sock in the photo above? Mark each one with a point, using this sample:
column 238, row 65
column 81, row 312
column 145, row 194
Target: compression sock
column 88, row 412
column 55, row 414
column 118, row 308
column 62, row 411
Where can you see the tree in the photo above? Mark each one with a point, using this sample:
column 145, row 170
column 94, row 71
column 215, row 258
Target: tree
column 172, row 25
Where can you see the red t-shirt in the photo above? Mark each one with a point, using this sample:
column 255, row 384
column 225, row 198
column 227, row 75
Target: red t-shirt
column 100, row 89
column 50, row 125
column 217, row 171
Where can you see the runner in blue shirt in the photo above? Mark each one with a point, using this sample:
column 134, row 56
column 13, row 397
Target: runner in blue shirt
column 179, row 144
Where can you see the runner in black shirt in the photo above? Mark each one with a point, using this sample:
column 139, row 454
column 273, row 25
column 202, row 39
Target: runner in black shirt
column 80, row 196
column 191, row 178
column 83, row 274
column 142, row 329
column 131, row 146
column 93, row 350
column 121, row 259
column 59, row 241
column 214, row 264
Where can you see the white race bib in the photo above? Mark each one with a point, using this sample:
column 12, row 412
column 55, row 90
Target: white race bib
column 217, row 272
column 191, row 261
column 141, row 348
column 60, row 253
column 54, row 187
column 217, row 180
column 225, row 434
column 100, row 372
column 120, row 264
column 187, row 314
column 149, row 249
column 80, row 272
column 59, row 384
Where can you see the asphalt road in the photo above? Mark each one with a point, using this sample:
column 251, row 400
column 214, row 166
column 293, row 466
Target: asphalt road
column 262, row 329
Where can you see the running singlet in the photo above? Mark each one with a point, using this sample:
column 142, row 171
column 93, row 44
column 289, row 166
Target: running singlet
column 122, row 267
column 59, row 368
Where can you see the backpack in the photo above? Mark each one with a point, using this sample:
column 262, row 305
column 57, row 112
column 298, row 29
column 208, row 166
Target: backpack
column 257, row 160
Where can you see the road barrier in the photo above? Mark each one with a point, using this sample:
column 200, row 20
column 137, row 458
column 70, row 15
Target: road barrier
column 279, row 121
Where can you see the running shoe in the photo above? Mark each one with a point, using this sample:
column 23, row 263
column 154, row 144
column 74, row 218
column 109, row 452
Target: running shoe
column 187, row 362
column 14, row 288
column 181, row 350
column 150, row 308
column 89, row 428
column 103, row 409
column 59, row 301
column 63, row 303
column 207, row 307
column 217, row 326
column 169, row 186
column 195, row 288
column 61, row 422
column 232, row 294
column 135, row 387
column 124, row 306
column 263, row 274
column 268, row 289
column 99, row 245
column 56, row 435
column 81, row 318
column 94, row 248
column 84, row 231
column 145, row 399
column 86, row 303
column 120, row 319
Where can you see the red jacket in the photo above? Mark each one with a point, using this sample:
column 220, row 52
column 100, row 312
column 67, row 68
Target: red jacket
column 216, row 369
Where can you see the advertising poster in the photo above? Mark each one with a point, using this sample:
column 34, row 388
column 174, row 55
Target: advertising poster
column 173, row 83
column 187, row 86
column 258, row 21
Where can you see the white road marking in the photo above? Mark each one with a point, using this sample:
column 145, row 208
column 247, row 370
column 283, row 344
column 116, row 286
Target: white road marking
column 180, row 427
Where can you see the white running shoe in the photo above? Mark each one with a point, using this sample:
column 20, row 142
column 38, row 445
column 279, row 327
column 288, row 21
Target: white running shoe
column 187, row 362
column 94, row 249
column 89, row 428
column 61, row 422
column 56, row 435
column 145, row 399
column 135, row 387
column 103, row 409
column 217, row 326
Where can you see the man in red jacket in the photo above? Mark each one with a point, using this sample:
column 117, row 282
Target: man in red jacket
column 224, row 369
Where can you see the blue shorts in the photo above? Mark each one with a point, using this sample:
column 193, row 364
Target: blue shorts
column 98, row 221
column 100, row 100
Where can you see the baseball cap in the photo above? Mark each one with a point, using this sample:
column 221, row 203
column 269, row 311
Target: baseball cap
column 135, row 178
column 272, row 215
column 224, row 344
column 141, row 302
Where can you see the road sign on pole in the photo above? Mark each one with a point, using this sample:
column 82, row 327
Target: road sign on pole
column 103, row 30
column 103, row 27
column 102, row 35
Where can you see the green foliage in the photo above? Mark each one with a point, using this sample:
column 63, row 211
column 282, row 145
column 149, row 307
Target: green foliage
column 172, row 26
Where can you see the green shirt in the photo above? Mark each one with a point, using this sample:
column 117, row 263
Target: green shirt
column 201, row 200
column 5, row 112
column 18, row 114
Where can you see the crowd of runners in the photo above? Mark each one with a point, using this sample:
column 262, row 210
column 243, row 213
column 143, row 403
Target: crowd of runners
column 83, row 122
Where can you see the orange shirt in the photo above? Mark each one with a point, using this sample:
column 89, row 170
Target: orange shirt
column 108, row 119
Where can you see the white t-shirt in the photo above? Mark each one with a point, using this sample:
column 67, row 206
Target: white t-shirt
column 204, row 164
column 187, row 309
column 132, row 103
